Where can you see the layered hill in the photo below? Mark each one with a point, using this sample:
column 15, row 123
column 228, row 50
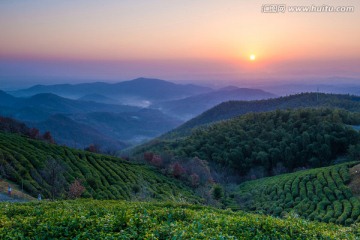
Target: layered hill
column 137, row 90
column 230, row 109
column 318, row 194
column 189, row 107
column 79, row 123
column 50, row 169
column 263, row 144
column 41, row 106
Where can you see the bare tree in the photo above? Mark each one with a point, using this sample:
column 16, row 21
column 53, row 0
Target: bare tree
column 76, row 189
column 53, row 175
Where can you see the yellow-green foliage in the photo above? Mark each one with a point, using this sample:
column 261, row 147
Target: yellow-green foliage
column 104, row 177
column 137, row 220
column 317, row 194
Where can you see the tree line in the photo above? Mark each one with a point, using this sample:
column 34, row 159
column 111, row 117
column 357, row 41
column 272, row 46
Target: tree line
column 263, row 144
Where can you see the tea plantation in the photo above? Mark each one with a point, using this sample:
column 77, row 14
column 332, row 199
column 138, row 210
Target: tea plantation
column 93, row 219
column 24, row 162
column 317, row 194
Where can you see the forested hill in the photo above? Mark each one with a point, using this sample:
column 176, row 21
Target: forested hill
column 49, row 169
column 232, row 109
column 263, row 144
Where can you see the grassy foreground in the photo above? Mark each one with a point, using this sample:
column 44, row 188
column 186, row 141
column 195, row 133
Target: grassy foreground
column 94, row 219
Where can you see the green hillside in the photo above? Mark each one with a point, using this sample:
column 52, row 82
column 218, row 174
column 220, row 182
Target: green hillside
column 41, row 166
column 263, row 144
column 139, row 220
column 317, row 194
column 232, row 109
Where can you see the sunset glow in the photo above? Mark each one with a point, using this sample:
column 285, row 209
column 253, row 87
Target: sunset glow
column 126, row 39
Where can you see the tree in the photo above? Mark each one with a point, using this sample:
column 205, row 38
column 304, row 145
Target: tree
column 148, row 156
column 177, row 170
column 218, row 192
column 354, row 152
column 34, row 133
column 156, row 160
column 200, row 168
column 47, row 137
column 76, row 189
column 53, row 175
column 195, row 180
column 93, row 148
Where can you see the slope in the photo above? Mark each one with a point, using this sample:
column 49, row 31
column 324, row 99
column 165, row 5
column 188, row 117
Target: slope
column 6, row 99
column 75, row 134
column 318, row 194
column 30, row 162
column 263, row 144
column 232, row 109
column 191, row 106
column 132, row 127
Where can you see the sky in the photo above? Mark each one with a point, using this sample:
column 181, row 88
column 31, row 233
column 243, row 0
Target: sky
column 208, row 41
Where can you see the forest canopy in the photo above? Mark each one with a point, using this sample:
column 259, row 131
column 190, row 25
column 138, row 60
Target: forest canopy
column 281, row 140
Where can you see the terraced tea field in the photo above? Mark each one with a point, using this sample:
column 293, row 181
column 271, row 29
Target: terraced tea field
column 317, row 194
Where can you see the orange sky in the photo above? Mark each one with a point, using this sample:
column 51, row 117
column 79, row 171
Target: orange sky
column 227, row 32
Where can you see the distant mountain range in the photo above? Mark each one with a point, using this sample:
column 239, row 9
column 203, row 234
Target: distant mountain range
column 189, row 107
column 41, row 106
column 141, row 91
column 338, row 85
column 114, row 114
column 79, row 123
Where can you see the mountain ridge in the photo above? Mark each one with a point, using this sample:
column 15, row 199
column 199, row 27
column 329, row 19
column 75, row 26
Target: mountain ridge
column 189, row 107
column 230, row 109
column 142, row 88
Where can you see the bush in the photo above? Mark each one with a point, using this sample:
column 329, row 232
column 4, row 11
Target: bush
column 218, row 191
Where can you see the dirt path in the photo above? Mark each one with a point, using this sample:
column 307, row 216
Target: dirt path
column 16, row 194
column 6, row 198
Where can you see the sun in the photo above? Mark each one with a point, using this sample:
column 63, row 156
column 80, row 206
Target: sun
column 252, row 57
